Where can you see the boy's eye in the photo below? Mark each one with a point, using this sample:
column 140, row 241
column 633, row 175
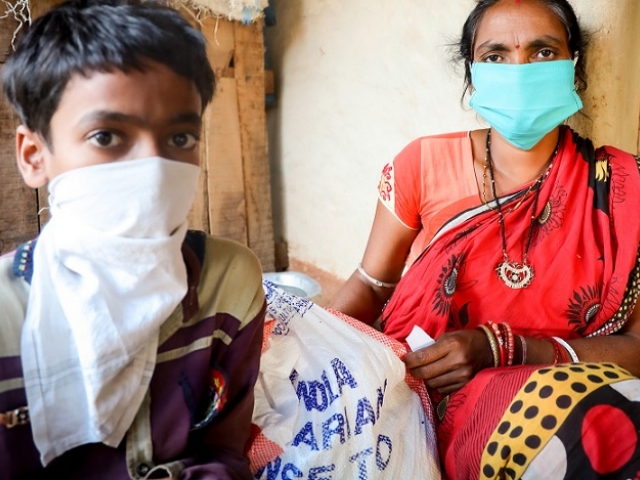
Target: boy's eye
column 105, row 139
column 183, row 140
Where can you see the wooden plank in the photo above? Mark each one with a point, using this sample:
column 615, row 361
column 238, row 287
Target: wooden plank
column 7, row 28
column 220, row 42
column 227, row 202
column 18, row 210
column 223, row 152
column 250, row 81
column 198, row 217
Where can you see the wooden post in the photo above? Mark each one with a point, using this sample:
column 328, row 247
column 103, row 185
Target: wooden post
column 250, row 80
column 235, row 139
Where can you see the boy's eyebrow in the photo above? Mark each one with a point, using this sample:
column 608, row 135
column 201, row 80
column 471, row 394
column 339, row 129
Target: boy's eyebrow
column 106, row 115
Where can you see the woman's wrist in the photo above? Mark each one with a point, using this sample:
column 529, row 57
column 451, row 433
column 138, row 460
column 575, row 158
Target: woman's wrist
column 508, row 349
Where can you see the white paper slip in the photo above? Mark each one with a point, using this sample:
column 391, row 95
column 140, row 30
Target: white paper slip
column 418, row 339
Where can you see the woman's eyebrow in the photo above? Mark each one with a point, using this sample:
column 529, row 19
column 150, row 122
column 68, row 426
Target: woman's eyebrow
column 493, row 46
column 543, row 41
column 546, row 41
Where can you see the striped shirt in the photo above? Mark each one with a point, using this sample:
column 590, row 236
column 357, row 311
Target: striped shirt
column 196, row 418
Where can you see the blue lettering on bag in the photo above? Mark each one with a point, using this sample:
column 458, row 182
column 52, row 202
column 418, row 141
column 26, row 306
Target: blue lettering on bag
column 343, row 375
column 315, row 471
column 306, row 436
column 381, row 391
column 272, row 468
column 362, row 467
column 328, row 431
column 318, row 395
column 327, row 385
column 346, row 421
column 380, row 462
column 364, row 415
column 291, row 468
column 316, row 389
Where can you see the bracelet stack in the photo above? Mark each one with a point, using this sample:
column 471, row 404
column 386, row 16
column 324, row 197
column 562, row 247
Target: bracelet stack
column 503, row 346
column 560, row 345
column 502, row 343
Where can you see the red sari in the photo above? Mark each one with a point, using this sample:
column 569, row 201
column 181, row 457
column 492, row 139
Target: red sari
column 584, row 252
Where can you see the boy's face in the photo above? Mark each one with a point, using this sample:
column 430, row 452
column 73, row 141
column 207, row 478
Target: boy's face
column 112, row 117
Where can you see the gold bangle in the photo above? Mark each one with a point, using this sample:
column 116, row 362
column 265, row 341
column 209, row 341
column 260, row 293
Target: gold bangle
column 492, row 343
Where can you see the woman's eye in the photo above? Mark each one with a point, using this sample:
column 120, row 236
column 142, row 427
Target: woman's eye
column 491, row 58
column 184, row 140
column 545, row 53
column 105, row 139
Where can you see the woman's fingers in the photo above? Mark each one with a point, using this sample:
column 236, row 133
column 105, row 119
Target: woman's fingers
column 448, row 364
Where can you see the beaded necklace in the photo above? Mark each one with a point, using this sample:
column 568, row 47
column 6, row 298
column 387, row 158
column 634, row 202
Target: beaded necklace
column 513, row 274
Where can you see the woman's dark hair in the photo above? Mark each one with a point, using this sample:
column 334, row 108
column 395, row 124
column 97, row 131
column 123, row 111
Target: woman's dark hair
column 85, row 36
column 577, row 38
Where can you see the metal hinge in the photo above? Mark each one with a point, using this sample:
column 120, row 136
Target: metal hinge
column 13, row 418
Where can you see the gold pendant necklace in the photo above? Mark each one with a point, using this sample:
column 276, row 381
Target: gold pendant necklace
column 513, row 274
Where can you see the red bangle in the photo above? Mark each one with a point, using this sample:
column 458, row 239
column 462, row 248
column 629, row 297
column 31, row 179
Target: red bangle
column 560, row 353
column 509, row 342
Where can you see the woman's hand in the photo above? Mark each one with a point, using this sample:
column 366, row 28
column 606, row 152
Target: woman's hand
column 452, row 361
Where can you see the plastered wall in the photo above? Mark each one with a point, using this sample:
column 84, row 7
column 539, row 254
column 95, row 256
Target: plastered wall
column 357, row 80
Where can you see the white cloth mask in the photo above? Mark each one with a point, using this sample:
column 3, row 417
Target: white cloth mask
column 108, row 271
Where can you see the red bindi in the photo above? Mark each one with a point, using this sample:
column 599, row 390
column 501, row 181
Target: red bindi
column 518, row 46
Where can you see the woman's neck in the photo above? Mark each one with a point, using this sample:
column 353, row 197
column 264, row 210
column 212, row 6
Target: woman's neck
column 513, row 167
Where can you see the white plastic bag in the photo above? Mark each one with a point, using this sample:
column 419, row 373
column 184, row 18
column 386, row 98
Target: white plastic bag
column 332, row 401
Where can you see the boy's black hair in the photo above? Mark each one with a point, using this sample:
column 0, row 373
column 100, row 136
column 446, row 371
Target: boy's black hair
column 85, row 36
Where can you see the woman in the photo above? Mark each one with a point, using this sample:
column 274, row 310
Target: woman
column 531, row 260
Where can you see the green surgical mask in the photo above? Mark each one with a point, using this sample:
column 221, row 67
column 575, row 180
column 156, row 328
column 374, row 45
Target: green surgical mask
column 526, row 101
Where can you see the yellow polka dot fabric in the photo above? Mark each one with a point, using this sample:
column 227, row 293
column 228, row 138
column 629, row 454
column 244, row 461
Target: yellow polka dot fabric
column 537, row 412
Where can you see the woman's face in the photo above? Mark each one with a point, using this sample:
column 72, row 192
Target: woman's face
column 520, row 31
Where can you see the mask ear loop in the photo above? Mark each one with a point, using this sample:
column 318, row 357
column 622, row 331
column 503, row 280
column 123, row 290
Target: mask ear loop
column 576, row 82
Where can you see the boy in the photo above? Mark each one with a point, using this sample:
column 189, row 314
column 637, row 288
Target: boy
column 130, row 347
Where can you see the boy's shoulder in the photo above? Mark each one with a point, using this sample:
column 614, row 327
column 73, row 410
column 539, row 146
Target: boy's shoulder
column 14, row 292
column 218, row 253
column 230, row 278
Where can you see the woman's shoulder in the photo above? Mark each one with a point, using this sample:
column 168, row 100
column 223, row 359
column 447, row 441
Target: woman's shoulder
column 443, row 138
column 439, row 148
column 610, row 153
